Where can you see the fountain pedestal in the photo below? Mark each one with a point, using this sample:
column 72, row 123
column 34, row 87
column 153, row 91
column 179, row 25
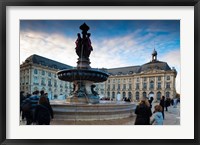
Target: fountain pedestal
column 83, row 63
column 105, row 110
column 83, row 93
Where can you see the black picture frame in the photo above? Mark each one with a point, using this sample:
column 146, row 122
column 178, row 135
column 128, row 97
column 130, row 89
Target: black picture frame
column 5, row 3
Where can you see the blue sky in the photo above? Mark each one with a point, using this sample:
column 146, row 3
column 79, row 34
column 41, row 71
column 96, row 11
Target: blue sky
column 116, row 43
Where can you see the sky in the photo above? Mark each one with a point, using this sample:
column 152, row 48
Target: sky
column 116, row 43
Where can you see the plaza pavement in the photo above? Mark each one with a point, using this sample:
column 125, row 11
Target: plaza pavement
column 172, row 117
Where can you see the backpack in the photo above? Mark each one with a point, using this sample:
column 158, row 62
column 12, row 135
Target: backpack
column 43, row 114
column 26, row 107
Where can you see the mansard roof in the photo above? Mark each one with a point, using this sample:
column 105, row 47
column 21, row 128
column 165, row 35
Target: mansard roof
column 123, row 70
column 36, row 59
column 155, row 65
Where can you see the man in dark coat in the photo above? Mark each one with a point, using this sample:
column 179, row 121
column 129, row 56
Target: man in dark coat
column 162, row 103
column 167, row 104
column 22, row 98
column 29, row 106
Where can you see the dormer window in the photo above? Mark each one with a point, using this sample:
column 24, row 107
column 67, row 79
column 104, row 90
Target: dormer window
column 42, row 62
column 49, row 74
column 35, row 71
column 55, row 66
column 43, row 72
column 119, row 73
column 168, row 77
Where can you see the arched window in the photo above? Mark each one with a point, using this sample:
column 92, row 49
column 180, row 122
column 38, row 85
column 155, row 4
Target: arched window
column 43, row 89
column 144, row 94
column 35, row 89
column 35, row 71
column 43, row 72
column 43, row 82
column 108, row 94
column 124, row 94
column 144, row 85
column 159, row 85
column 137, row 96
column 113, row 87
column 118, row 88
column 137, row 86
column 49, row 74
column 129, row 95
column 158, row 95
column 49, row 82
column 151, row 85
column 167, row 94
column 35, row 80
column 113, row 94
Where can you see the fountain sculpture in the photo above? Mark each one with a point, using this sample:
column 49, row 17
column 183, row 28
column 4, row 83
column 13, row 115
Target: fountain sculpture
column 84, row 103
column 83, row 76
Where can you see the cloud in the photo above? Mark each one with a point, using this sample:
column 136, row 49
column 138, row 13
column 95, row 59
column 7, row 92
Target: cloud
column 53, row 46
column 173, row 60
column 116, row 52
column 172, row 57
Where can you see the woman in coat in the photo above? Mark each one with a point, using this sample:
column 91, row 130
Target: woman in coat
column 43, row 112
column 143, row 112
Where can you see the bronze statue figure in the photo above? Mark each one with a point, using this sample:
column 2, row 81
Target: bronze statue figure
column 83, row 45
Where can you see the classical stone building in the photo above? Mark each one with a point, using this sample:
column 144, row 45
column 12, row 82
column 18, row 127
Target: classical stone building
column 39, row 73
column 154, row 78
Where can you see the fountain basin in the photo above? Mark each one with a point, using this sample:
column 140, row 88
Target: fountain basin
column 105, row 110
column 93, row 75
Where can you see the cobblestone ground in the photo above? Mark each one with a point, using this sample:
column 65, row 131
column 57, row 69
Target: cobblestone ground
column 172, row 117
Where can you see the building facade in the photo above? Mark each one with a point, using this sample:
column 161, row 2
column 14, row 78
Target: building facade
column 153, row 79
column 39, row 73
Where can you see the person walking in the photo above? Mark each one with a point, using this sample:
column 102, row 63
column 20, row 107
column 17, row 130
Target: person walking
column 162, row 104
column 157, row 116
column 151, row 101
column 46, row 95
column 41, row 93
column 167, row 104
column 172, row 102
column 26, row 111
column 175, row 102
column 43, row 112
column 143, row 112
column 22, row 98
column 28, row 107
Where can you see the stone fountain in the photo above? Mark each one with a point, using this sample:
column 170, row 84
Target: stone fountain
column 84, row 103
